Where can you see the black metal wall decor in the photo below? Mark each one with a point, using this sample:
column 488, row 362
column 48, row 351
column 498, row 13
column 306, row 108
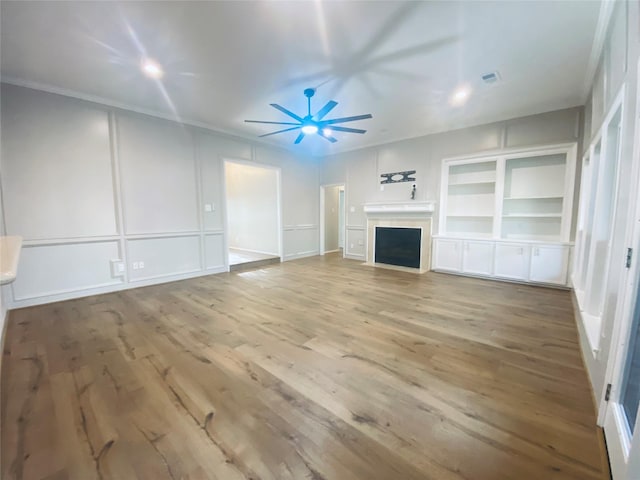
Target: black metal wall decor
column 398, row 177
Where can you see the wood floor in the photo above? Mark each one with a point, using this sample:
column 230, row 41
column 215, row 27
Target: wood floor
column 238, row 256
column 320, row 368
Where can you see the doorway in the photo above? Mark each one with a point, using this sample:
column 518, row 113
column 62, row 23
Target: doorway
column 254, row 236
column 332, row 228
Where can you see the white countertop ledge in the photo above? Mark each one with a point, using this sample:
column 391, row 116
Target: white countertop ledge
column 9, row 255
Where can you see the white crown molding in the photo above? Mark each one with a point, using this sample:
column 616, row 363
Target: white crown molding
column 604, row 18
column 43, row 87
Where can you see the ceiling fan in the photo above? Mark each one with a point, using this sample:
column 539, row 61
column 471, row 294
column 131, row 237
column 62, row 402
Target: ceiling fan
column 311, row 124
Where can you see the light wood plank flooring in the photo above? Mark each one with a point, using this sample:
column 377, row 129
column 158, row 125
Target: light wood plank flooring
column 237, row 256
column 320, row 368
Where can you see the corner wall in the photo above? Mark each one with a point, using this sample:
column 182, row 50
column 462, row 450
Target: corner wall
column 85, row 184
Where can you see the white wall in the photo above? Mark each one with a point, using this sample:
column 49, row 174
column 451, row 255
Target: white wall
column 252, row 207
column 4, row 290
column 331, row 218
column 85, row 184
column 361, row 169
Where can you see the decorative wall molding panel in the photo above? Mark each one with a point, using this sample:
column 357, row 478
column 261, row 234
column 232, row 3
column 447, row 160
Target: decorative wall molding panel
column 127, row 190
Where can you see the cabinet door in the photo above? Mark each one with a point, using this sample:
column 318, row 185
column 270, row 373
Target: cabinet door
column 477, row 257
column 447, row 255
column 512, row 261
column 549, row 264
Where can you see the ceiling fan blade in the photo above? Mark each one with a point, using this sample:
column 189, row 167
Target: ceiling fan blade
column 330, row 138
column 299, row 139
column 286, row 112
column 346, row 129
column 324, row 110
column 346, row 119
column 272, row 123
column 280, row 131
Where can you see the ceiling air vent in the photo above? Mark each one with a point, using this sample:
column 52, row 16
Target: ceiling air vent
column 490, row 78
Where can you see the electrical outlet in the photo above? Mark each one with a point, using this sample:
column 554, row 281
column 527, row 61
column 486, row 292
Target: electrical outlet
column 352, row 246
column 117, row 268
column 135, row 265
column 382, row 188
column 208, row 207
column 352, row 209
column 141, row 265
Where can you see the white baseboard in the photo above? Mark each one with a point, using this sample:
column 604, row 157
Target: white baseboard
column 253, row 251
column 29, row 302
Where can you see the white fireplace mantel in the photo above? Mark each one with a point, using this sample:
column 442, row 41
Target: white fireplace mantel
column 400, row 208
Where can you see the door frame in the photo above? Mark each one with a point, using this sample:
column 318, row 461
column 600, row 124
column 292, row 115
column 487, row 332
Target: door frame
column 322, row 216
column 624, row 448
column 249, row 163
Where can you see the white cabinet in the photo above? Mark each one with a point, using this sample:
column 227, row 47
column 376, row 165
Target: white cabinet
column 512, row 261
column 534, row 262
column 447, row 254
column 508, row 214
column 549, row 264
column 477, row 257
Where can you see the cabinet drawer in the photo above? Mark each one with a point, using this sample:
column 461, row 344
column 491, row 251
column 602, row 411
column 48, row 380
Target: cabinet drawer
column 512, row 261
column 447, row 255
column 549, row 264
column 477, row 257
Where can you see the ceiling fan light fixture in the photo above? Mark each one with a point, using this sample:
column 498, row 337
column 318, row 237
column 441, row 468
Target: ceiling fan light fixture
column 310, row 124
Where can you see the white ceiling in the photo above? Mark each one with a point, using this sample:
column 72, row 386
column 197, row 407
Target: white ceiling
column 226, row 61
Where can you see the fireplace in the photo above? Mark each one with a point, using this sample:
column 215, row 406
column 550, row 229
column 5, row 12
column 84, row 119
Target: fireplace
column 398, row 246
column 398, row 235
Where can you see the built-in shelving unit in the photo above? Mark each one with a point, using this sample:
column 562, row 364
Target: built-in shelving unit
column 533, row 196
column 470, row 199
column 519, row 201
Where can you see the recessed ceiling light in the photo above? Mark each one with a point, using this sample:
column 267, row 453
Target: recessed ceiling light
column 308, row 129
column 151, row 68
column 460, row 96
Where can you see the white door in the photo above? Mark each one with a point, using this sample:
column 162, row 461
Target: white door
column 448, row 254
column 512, row 261
column 549, row 264
column 621, row 425
column 477, row 257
